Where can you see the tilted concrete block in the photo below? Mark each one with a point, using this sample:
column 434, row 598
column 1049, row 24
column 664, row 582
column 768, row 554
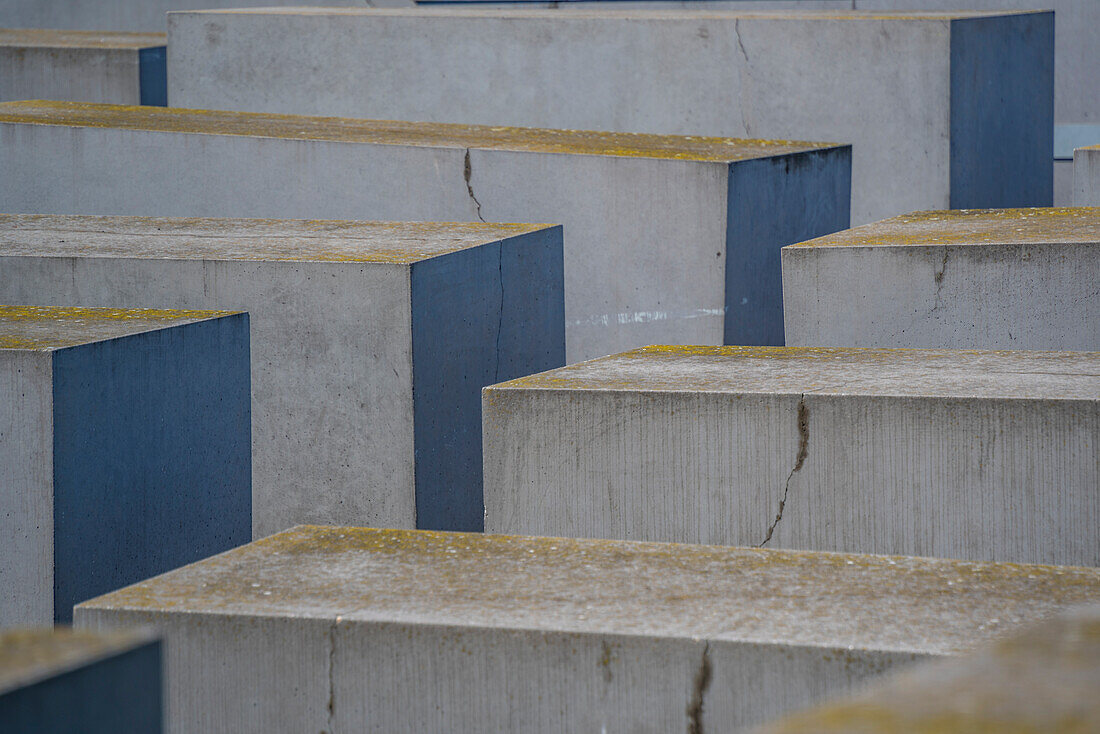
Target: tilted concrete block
column 1042, row 680
column 667, row 239
column 980, row 455
column 371, row 341
column 971, row 279
column 56, row 680
column 124, row 449
column 944, row 110
column 82, row 66
column 349, row 629
column 1086, row 176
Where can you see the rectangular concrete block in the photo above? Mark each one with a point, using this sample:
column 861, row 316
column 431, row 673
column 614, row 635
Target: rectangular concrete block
column 63, row 680
column 1042, row 680
column 968, row 279
column 83, row 66
column 371, row 341
column 953, row 454
column 944, row 110
column 667, row 239
column 124, row 450
column 1086, row 176
column 350, row 629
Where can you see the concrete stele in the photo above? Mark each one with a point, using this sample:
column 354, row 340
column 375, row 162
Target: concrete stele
column 83, row 66
column 124, row 449
column 954, row 454
column 352, row 629
column 944, row 110
column 966, row 279
column 62, row 680
column 667, row 239
column 1086, row 176
column 1041, row 681
column 371, row 341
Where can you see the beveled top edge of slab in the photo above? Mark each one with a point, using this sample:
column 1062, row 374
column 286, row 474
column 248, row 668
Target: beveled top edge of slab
column 31, row 655
column 641, row 14
column 46, row 328
column 972, row 228
column 255, row 240
column 919, row 373
column 400, row 132
column 612, row 587
column 1089, row 148
column 1041, row 681
column 55, row 38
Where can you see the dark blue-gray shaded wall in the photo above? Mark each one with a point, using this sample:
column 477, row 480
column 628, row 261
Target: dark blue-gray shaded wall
column 1002, row 111
column 152, row 455
column 119, row 694
column 479, row 316
column 153, row 75
column 774, row 202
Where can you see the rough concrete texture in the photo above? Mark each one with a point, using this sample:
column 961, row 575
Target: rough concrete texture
column 667, row 239
column 63, row 680
column 118, row 68
column 1086, row 176
column 345, row 629
column 124, row 449
column 371, row 341
column 1041, row 681
column 980, row 455
column 944, row 110
column 965, row 279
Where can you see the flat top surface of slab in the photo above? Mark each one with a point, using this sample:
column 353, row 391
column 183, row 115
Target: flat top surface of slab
column 42, row 328
column 831, row 371
column 50, row 38
column 30, row 655
column 615, row 587
column 1042, row 681
column 1066, row 225
column 391, row 132
column 297, row 240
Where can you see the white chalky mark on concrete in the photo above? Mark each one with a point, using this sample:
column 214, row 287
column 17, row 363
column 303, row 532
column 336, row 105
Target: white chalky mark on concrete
column 646, row 317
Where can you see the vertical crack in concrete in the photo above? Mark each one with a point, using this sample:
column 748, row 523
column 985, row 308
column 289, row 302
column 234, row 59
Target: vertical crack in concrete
column 743, row 75
column 467, row 173
column 938, row 278
column 500, row 311
column 803, row 452
column 699, row 687
column 332, row 677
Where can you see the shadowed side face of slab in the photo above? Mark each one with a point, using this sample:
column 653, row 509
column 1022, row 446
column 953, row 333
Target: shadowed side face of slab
column 390, row 132
column 1066, row 225
column 51, row 38
column 45, row 328
column 265, row 240
column 830, row 371
column 614, row 587
column 29, row 655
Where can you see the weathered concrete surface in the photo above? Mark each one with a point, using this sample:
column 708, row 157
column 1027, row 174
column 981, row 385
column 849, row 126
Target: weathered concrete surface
column 980, row 455
column 352, row 629
column 967, row 279
column 61, row 680
column 667, row 239
column 371, row 341
column 944, row 110
column 124, row 449
column 1042, row 681
column 1086, row 176
column 118, row 68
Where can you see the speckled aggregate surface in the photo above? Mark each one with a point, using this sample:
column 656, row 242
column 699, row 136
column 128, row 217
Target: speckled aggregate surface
column 831, row 371
column 32, row 654
column 299, row 240
column 56, row 38
column 43, row 328
column 602, row 586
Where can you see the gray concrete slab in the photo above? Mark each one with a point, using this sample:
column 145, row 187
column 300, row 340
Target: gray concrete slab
column 1042, row 680
column 1086, row 176
column 370, row 343
column 902, row 88
column 955, row 454
column 385, row 630
column 117, row 68
column 667, row 239
column 964, row 279
column 124, row 449
column 61, row 680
